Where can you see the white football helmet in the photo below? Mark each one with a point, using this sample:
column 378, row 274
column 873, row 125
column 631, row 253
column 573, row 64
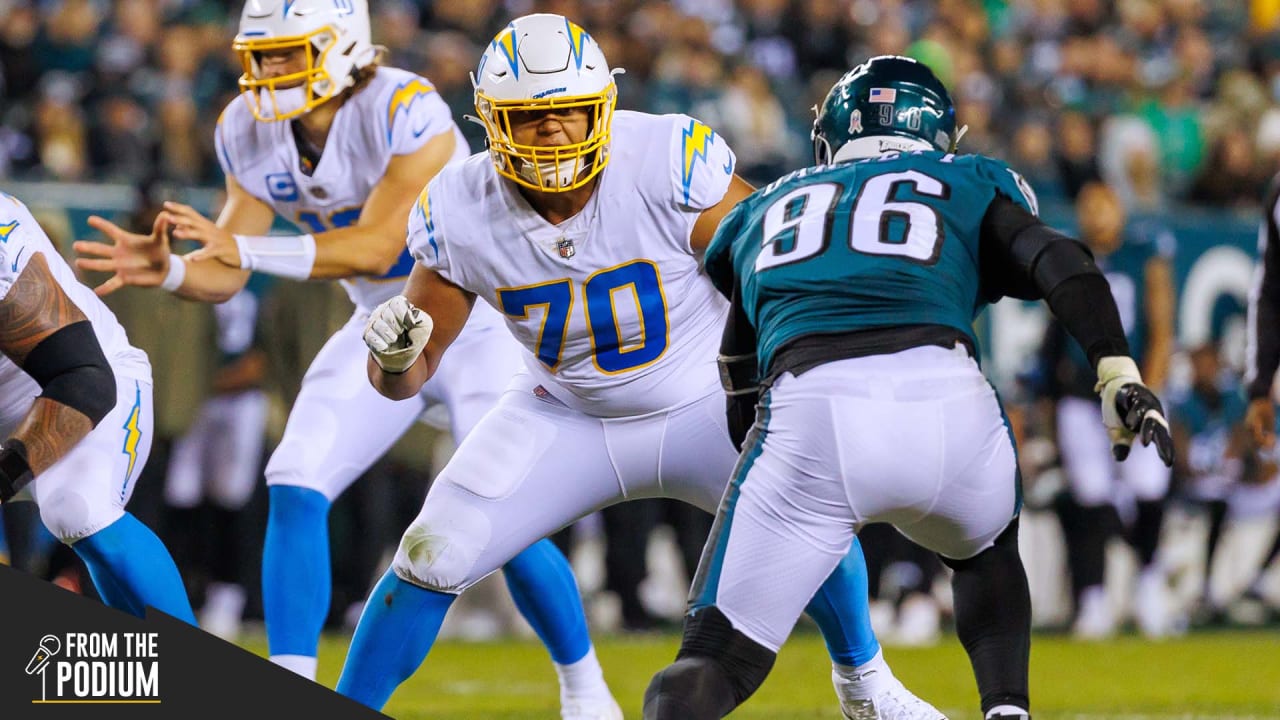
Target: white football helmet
column 538, row 62
column 334, row 35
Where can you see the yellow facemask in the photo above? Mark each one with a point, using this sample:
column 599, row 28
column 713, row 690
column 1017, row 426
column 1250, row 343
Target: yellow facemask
column 549, row 169
column 273, row 99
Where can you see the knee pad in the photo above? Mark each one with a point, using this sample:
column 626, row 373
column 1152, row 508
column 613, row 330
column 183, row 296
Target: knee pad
column 70, row 515
column 691, row 688
column 441, row 549
column 743, row 662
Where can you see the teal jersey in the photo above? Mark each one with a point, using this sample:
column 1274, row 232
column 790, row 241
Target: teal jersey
column 886, row 242
column 1209, row 422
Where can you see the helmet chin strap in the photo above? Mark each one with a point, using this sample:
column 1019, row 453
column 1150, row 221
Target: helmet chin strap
column 551, row 174
column 287, row 100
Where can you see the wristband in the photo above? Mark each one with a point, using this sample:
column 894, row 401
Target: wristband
column 177, row 273
column 290, row 256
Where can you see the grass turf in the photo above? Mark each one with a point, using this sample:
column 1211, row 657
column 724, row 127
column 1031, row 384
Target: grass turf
column 1206, row 676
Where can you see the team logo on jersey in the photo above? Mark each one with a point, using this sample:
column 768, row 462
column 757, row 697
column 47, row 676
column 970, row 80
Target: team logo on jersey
column 281, row 186
column 566, row 248
column 697, row 137
column 403, row 98
column 424, row 207
column 7, row 229
column 132, row 436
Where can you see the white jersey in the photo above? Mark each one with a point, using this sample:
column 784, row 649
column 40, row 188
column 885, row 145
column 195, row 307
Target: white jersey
column 395, row 114
column 20, row 240
column 611, row 305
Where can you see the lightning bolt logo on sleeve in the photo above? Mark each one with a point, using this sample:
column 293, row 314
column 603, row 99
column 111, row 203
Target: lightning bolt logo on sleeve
column 694, row 143
column 424, row 207
column 7, row 229
column 132, row 435
column 402, row 98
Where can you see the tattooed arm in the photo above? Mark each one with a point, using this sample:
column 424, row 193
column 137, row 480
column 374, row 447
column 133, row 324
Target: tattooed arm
column 46, row 335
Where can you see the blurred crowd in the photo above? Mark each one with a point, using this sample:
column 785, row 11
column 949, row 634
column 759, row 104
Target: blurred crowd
column 1167, row 100
column 1168, row 103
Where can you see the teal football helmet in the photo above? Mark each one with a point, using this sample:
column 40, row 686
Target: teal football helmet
column 888, row 103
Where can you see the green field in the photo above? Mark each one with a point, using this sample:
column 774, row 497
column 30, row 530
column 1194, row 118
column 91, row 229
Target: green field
column 1207, row 675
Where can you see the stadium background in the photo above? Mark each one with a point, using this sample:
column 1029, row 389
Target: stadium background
column 109, row 107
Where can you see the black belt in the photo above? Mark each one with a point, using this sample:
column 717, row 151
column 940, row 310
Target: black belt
column 807, row 352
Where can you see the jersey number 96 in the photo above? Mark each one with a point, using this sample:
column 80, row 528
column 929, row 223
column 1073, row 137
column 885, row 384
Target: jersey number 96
column 797, row 225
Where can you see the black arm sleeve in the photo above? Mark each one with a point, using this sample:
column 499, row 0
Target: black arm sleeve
column 1024, row 258
column 1264, row 307
column 738, row 371
column 71, row 370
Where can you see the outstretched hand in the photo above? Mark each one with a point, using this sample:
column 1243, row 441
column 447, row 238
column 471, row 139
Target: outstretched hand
column 217, row 244
column 132, row 258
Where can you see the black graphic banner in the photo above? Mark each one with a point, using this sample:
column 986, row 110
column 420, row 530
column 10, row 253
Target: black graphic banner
column 67, row 656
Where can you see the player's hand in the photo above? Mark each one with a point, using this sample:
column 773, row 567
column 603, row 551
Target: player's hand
column 218, row 244
column 133, row 259
column 1261, row 421
column 396, row 334
column 1130, row 409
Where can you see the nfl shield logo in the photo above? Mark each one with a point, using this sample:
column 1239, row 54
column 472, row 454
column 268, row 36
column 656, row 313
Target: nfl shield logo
column 565, row 246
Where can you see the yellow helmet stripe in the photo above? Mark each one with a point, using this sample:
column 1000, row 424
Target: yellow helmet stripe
column 577, row 38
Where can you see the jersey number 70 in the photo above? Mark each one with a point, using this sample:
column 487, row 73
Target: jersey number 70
column 610, row 354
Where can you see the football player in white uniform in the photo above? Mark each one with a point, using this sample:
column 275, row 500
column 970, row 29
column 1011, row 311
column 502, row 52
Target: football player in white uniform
column 325, row 137
column 76, row 417
column 584, row 227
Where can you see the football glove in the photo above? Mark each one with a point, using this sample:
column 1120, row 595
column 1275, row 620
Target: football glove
column 396, row 334
column 1130, row 409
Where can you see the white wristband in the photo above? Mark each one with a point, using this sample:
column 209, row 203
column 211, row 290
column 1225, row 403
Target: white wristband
column 290, row 256
column 177, row 273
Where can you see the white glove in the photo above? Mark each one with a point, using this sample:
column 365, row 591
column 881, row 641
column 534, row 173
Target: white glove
column 1130, row 408
column 396, row 334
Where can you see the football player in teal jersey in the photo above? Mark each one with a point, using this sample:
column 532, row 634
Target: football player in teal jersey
column 855, row 284
column 1136, row 257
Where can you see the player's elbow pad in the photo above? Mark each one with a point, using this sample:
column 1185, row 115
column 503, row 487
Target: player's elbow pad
column 71, row 370
column 1051, row 258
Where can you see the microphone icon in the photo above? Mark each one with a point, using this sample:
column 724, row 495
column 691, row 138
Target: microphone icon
column 49, row 646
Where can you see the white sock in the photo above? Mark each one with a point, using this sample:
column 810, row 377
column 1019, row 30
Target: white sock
column 851, row 672
column 584, row 678
column 303, row 665
column 1006, row 710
